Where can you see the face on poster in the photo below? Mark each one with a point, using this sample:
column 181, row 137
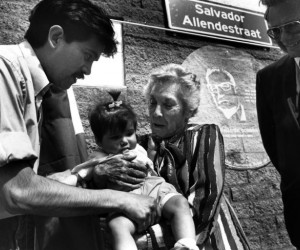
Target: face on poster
column 223, row 90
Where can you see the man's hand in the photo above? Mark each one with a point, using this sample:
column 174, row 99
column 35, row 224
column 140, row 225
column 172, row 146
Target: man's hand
column 122, row 171
column 142, row 210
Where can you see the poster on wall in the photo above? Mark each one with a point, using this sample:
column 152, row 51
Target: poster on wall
column 228, row 99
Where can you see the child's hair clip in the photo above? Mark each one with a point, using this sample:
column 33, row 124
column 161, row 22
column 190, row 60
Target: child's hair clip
column 115, row 95
column 114, row 104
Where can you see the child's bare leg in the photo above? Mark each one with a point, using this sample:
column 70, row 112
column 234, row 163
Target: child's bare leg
column 177, row 211
column 122, row 230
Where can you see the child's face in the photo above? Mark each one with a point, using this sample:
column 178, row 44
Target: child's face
column 116, row 143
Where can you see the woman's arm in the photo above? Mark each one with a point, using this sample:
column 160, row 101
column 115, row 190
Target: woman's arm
column 123, row 170
column 206, row 172
column 120, row 170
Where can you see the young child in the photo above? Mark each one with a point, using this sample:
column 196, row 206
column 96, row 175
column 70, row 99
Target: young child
column 114, row 128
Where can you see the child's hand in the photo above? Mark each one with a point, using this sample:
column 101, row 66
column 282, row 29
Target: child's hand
column 129, row 153
column 64, row 177
column 151, row 149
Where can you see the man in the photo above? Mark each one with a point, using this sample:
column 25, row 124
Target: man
column 63, row 40
column 277, row 88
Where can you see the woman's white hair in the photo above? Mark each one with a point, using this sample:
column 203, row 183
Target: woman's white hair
column 189, row 87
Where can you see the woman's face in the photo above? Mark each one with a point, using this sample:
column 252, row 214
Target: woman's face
column 166, row 111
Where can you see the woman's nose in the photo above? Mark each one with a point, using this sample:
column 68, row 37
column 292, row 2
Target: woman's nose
column 157, row 111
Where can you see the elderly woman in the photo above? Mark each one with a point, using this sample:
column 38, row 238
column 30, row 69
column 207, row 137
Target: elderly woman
column 190, row 156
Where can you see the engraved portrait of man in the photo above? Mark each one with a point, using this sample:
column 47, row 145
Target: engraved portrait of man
column 222, row 88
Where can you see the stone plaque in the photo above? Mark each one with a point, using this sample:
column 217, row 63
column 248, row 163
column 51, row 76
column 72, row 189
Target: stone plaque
column 228, row 99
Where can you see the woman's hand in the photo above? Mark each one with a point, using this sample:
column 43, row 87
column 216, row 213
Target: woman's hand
column 120, row 170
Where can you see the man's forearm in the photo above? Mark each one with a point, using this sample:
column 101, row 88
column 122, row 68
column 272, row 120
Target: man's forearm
column 22, row 192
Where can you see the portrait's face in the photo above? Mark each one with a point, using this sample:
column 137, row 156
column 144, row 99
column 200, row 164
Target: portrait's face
column 118, row 142
column 166, row 112
column 221, row 86
column 71, row 61
column 282, row 16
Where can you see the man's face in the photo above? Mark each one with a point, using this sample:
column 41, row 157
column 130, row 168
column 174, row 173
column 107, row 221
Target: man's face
column 280, row 14
column 71, row 61
column 223, row 92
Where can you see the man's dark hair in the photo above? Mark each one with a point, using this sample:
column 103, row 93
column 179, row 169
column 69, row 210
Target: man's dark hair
column 104, row 118
column 270, row 3
column 80, row 19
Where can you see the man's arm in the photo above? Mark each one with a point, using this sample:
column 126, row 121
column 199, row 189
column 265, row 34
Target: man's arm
column 24, row 192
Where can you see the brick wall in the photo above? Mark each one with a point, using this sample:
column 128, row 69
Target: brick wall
column 255, row 194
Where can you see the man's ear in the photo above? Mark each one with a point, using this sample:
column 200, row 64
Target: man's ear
column 55, row 35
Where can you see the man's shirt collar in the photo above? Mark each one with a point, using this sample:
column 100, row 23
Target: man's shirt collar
column 39, row 78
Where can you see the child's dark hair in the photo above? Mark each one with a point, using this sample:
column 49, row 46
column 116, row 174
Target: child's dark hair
column 104, row 118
